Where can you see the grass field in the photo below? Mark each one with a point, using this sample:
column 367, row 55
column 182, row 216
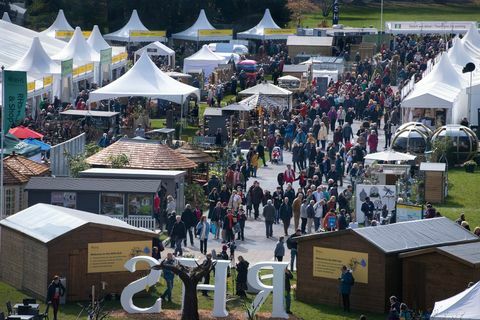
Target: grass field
column 369, row 14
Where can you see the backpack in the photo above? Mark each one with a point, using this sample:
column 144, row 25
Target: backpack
column 289, row 243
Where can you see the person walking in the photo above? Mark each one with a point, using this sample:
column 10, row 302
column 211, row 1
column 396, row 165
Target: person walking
column 178, row 234
column 296, row 206
column 292, row 245
column 257, row 197
column 310, row 215
column 269, row 215
column 228, row 223
column 242, row 272
column 216, row 219
column 286, row 214
column 169, row 276
column 190, row 220
column 346, row 283
column 288, row 289
column 279, row 250
column 241, row 219
column 55, row 291
column 202, row 230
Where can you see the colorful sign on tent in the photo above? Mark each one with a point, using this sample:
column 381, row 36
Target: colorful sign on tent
column 106, row 56
column 31, row 86
column 215, row 32
column 47, row 81
column 120, row 57
column 273, row 31
column 67, row 67
column 14, row 98
column 67, row 34
column 145, row 33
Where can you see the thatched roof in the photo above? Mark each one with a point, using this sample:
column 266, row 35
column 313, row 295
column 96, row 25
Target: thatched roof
column 195, row 154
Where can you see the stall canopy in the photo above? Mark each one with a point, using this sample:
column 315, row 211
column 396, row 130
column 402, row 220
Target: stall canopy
column 204, row 59
column 78, row 49
column 258, row 32
column 472, row 40
column 267, row 89
column 202, row 23
column 36, row 62
column 145, row 79
column 463, row 306
column 157, row 49
column 22, row 132
column 96, row 41
column 60, row 23
column 390, row 155
column 133, row 24
column 459, row 54
column 6, row 17
column 43, row 146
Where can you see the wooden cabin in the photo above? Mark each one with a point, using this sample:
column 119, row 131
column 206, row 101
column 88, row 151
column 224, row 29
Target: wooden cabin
column 435, row 181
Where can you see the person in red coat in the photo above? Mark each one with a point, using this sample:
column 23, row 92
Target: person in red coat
column 289, row 174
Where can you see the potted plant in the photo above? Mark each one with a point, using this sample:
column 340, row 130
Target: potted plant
column 470, row 166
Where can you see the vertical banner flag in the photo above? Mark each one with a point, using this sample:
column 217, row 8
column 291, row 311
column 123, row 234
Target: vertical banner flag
column 14, row 98
column 67, row 67
column 336, row 12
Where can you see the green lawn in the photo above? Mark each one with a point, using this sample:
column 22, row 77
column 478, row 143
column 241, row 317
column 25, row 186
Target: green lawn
column 463, row 190
column 369, row 14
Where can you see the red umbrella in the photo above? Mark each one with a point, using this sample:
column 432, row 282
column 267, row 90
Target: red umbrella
column 24, row 133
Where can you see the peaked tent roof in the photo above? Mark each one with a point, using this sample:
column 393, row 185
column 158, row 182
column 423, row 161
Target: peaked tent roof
column 78, row 49
column 461, row 306
column 161, row 49
column 205, row 54
column 123, row 34
column 472, row 39
column 6, row 17
column 145, row 79
column 46, row 222
column 459, row 54
column 36, row 61
column 22, row 132
column 202, row 23
column 60, row 23
column 96, row 41
column 266, row 89
column 390, row 155
column 258, row 32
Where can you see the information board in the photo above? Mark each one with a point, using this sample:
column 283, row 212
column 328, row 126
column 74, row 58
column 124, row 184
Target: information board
column 111, row 256
column 327, row 263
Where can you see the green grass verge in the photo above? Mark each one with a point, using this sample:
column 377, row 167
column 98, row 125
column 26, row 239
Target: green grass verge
column 463, row 190
column 369, row 14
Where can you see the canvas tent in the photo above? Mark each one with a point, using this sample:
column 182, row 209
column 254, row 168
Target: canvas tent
column 258, row 32
column 145, row 79
column 472, row 40
column 157, row 49
column 60, row 23
column 390, row 155
column 464, row 305
column 267, row 89
column 123, row 34
column 202, row 23
column 204, row 59
column 460, row 55
column 78, row 49
column 36, row 62
column 96, row 40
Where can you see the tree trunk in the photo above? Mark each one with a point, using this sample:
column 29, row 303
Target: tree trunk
column 190, row 302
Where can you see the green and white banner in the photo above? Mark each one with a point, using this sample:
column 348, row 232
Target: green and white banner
column 14, row 98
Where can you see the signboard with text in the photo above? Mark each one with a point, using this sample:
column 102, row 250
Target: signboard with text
column 215, row 32
column 106, row 56
column 327, row 263
column 14, row 98
column 67, row 34
column 119, row 57
column 273, row 31
column 111, row 256
column 67, row 67
column 147, row 36
column 407, row 212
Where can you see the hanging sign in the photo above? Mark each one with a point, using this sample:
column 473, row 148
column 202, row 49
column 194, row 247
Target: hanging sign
column 47, row 81
column 67, row 67
column 14, row 98
column 215, row 32
column 31, row 86
column 146, row 33
column 120, row 57
column 67, row 34
column 106, row 56
column 274, row 31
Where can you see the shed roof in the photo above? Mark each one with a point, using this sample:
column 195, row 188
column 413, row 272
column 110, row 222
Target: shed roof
column 143, row 154
column 46, row 222
column 93, row 184
column 295, row 68
column 195, row 154
column 103, row 172
column 12, row 176
column 433, row 166
column 309, row 41
column 409, row 235
column 467, row 253
column 26, row 166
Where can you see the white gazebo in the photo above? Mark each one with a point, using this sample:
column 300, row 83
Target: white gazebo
column 390, row 155
column 460, row 55
column 258, row 32
column 157, row 49
column 36, row 62
column 133, row 24
column 204, row 59
column 275, row 93
column 462, row 306
column 60, row 23
column 79, row 50
column 472, row 40
column 96, row 40
column 193, row 34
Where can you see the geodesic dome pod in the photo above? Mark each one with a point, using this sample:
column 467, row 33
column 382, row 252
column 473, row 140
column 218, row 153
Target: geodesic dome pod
column 464, row 141
column 412, row 139
column 418, row 125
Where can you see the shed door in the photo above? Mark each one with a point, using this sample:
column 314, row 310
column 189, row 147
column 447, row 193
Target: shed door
column 414, row 284
column 77, row 274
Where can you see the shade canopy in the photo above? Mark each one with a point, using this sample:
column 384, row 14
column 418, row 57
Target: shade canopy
column 258, row 32
column 145, row 79
column 460, row 55
column 78, row 49
column 60, row 23
column 202, row 23
column 204, row 59
column 36, row 62
column 157, row 49
column 463, row 306
column 96, row 40
column 43, row 146
column 472, row 39
column 24, row 133
column 6, row 17
column 390, row 155
column 133, row 24
column 266, row 89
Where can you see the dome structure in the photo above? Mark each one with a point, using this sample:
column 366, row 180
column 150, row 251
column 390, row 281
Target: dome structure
column 412, row 138
column 464, row 142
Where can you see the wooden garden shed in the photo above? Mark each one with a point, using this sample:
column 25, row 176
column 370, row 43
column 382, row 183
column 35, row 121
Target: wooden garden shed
column 435, row 181
column 425, row 273
column 373, row 255
column 84, row 248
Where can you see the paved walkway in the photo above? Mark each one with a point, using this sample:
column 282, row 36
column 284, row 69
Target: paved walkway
column 256, row 246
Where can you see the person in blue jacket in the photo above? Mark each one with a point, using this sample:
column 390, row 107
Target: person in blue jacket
column 346, row 283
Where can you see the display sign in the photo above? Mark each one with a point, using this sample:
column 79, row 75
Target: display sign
column 380, row 195
column 67, row 67
column 146, row 33
column 328, row 263
column 67, row 34
column 31, row 86
column 215, row 32
column 64, row 199
column 112, row 256
column 14, row 98
column 106, row 56
column 274, row 31
column 47, row 81
column 120, row 57
column 336, row 12
column 407, row 212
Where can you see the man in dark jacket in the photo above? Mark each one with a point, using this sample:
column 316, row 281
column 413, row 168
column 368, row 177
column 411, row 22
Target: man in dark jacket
column 269, row 213
column 342, row 220
column 261, row 152
column 286, row 214
column 242, row 272
column 257, row 197
column 346, row 283
column 190, row 221
column 54, row 292
column 292, row 245
column 367, row 208
column 179, row 232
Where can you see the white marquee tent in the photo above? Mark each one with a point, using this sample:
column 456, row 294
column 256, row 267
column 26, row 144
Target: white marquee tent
column 472, row 41
column 463, row 306
column 123, row 34
column 157, row 49
column 96, row 41
column 145, row 79
column 36, row 62
column 204, row 59
column 78, row 49
column 258, row 32
column 202, row 23
column 459, row 55
column 6, row 17
column 60, row 23
column 266, row 89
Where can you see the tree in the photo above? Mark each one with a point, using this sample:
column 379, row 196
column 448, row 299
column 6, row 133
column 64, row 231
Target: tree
column 190, row 278
column 300, row 7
